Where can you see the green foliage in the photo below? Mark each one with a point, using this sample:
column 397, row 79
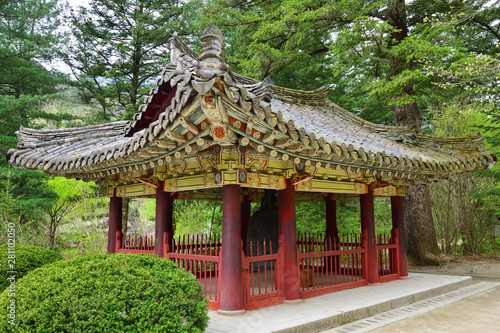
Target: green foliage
column 27, row 258
column 463, row 205
column 29, row 33
column 29, row 193
column 85, row 229
column 108, row 293
column 192, row 217
column 120, row 47
column 310, row 217
column 68, row 193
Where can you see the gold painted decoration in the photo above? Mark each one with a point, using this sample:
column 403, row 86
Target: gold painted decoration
column 120, row 191
column 125, row 177
column 303, row 185
column 277, row 182
column 170, row 185
column 151, row 180
column 361, row 188
column 256, row 163
column 253, row 179
column 206, row 160
column 149, row 189
column 311, row 169
column 209, row 180
column 109, row 191
column 300, row 177
column 386, row 191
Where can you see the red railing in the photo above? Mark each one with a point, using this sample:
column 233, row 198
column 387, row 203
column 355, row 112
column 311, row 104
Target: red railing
column 388, row 256
column 325, row 265
column 200, row 255
column 328, row 265
column 134, row 244
column 263, row 273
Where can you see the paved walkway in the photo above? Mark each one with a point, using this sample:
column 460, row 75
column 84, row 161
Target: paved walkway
column 469, row 309
column 332, row 310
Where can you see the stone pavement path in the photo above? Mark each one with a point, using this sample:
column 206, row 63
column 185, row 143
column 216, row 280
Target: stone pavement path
column 474, row 308
column 330, row 310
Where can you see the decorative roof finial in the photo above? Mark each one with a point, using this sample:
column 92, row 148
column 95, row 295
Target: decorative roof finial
column 212, row 46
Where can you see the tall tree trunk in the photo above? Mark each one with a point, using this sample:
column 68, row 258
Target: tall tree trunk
column 125, row 215
column 422, row 241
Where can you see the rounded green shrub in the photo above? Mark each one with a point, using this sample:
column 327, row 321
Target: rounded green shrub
column 27, row 258
column 107, row 293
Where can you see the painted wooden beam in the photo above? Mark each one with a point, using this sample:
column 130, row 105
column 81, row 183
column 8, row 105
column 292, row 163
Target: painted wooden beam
column 165, row 144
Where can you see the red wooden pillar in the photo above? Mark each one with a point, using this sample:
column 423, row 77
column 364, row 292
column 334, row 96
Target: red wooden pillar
column 115, row 221
column 368, row 227
column 231, row 296
column 331, row 232
column 163, row 222
column 245, row 220
column 289, row 231
column 399, row 224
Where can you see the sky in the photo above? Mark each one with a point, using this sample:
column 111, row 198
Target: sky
column 75, row 3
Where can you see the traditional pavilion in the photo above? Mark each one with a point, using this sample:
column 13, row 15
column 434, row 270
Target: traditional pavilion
column 206, row 133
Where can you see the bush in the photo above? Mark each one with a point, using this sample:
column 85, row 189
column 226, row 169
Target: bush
column 27, row 257
column 108, row 293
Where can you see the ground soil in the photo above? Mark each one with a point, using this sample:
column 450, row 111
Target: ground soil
column 483, row 266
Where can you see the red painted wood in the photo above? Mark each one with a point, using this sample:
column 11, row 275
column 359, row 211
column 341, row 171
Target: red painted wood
column 289, row 230
column 399, row 224
column 332, row 232
column 231, row 297
column 164, row 209
column 368, row 227
column 119, row 241
column 245, row 220
column 115, row 221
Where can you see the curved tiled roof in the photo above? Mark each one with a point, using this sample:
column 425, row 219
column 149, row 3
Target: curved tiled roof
column 304, row 125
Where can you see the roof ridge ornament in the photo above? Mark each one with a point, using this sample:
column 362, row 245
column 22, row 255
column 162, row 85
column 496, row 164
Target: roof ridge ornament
column 212, row 55
column 213, row 48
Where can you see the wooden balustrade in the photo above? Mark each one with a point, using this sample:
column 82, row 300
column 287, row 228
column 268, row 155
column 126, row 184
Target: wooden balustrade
column 388, row 256
column 134, row 244
column 328, row 265
column 263, row 273
column 325, row 265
